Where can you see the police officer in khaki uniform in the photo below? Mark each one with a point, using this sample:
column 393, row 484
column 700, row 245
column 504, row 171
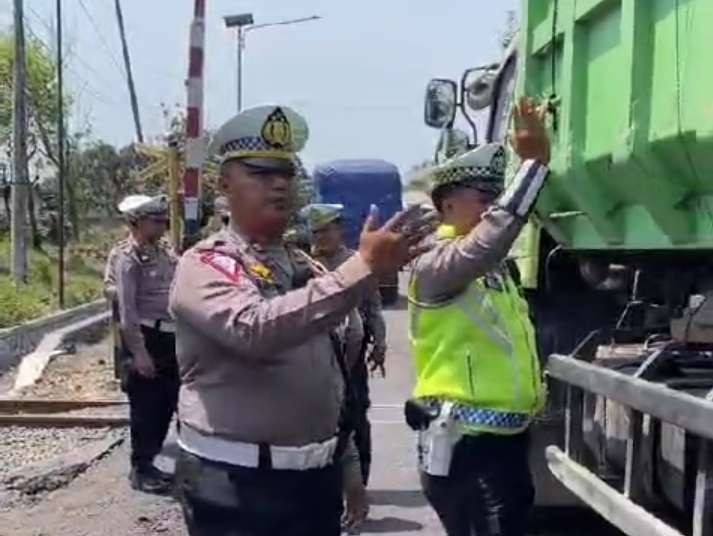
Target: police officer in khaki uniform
column 261, row 376
column 478, row 384
column 138, row 275
column 324, row 223
column 369, row 348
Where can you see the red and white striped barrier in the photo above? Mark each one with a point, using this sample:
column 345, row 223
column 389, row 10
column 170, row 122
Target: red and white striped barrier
column 195, row 146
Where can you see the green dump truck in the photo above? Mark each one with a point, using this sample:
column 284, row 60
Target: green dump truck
column 618, row 264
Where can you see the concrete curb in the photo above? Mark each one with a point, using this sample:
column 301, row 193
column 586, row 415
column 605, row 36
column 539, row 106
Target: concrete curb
column 23, row 339
column 52, row 474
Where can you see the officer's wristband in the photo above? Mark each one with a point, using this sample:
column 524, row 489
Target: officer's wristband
column 520, row 195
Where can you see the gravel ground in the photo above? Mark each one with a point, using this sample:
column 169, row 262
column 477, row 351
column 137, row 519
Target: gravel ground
column 99, row 502
column 21, row 446
column 88, row 374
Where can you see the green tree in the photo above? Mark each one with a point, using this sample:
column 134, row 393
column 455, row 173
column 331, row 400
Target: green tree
column 42, row 108
column 41, row 95
column 103, row 176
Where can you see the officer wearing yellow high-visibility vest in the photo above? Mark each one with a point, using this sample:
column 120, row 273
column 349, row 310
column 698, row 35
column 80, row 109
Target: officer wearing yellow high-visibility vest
column 478, row 376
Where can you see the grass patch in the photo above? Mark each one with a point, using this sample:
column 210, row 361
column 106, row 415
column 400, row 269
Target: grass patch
column 83, row 283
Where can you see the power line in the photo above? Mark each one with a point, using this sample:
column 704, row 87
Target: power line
column 101, row 37
column 152, row 68
column 39, row 17
column 87, row 86
column 72, row 54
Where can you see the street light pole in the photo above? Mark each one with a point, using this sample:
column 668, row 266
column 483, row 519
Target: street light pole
column 244, row 24
column 240, row 22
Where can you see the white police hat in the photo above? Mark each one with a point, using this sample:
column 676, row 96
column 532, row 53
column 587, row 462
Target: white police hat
column 482, row 167
column 137, row 206
column 264, row 137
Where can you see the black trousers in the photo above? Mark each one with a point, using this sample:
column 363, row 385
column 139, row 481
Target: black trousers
column 225, row 500
column 152, row 401
column 359, row 378
column 489, row 490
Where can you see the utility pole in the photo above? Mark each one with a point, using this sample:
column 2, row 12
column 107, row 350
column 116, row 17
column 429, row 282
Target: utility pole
column 241, row 46
column 129, row 76
column 60, row 159
column 174, row 179
column 20, row 183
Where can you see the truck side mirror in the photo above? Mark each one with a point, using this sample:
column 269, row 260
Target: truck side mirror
column 441, row 103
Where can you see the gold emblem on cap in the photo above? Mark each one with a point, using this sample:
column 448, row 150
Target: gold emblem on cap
column 277, row 131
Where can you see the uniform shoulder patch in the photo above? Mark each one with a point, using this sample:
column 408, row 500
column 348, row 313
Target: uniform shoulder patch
column 225, row 264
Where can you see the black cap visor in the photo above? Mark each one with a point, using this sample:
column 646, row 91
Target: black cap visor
column 269, row 165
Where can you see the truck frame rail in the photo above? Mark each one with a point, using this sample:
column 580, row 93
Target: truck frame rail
column 626, row 508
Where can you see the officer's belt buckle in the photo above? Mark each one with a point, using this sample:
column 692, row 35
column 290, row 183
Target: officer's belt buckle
column 312, row 456
column 164, row 326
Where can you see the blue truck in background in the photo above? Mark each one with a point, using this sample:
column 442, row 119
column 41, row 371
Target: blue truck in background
column 357, row 184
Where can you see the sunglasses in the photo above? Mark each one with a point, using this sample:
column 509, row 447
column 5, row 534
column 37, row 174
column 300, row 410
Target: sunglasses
column 487, row 195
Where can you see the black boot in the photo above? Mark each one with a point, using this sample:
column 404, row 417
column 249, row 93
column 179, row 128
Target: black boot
column 161, row 475
column 150, row 480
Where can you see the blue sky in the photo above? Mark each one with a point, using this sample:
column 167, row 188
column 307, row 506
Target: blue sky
column 358, row 75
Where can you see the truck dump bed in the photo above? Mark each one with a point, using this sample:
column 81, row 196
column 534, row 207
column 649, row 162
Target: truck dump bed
column 633, row 132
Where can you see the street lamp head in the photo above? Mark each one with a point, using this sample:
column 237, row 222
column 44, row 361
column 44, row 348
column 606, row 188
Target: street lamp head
column 244, row 19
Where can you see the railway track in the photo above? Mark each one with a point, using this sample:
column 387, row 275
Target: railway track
column 38, row 430
column 49, row 413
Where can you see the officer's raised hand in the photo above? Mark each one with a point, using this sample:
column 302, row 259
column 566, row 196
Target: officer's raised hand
column 531, row 143
column 389, row 247
column 529, row 137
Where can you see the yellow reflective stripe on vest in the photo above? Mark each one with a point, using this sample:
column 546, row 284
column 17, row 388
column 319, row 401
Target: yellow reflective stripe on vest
column 469, row 308
column 497, row 331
